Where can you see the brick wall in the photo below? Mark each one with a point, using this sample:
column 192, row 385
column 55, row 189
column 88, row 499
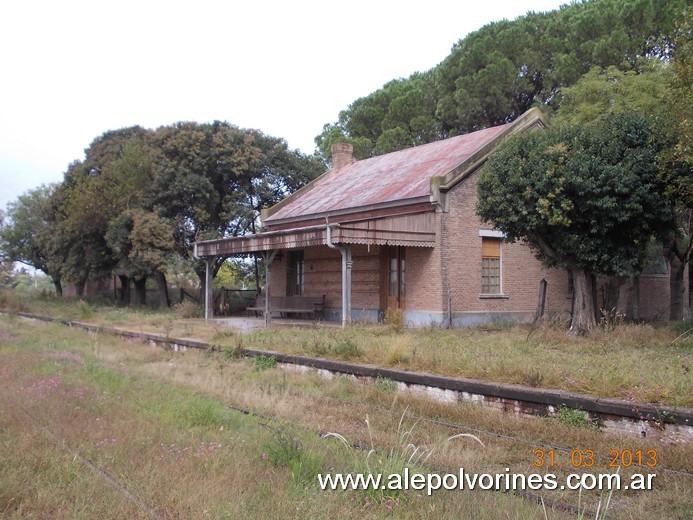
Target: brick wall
column 521, row 272
column 323, row 275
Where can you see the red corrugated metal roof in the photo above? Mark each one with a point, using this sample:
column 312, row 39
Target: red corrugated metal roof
column 396, row 176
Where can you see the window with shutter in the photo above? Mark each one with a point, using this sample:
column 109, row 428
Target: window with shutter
column 490, row 265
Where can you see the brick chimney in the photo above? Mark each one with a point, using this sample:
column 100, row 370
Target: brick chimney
column 342, row 155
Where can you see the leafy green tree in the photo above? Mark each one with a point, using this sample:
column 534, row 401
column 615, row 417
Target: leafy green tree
column 680, row 102
column 212, row 179
column 116, row 171
column 585, row 197
column 8, row 278
column 603, row 92
column 31, row 233
column 400, row 115
column 143, row 242
column 500, row 71
column 653, row 90
column 495, row 74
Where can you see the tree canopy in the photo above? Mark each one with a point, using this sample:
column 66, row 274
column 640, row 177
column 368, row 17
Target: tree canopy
column 141, row 198
column 500, row 71
column 30, row 232
column 585, row 197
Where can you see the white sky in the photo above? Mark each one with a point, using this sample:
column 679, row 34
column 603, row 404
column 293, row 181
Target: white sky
column 71, row 69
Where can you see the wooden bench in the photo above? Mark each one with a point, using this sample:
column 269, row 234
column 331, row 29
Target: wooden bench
column 313, row 306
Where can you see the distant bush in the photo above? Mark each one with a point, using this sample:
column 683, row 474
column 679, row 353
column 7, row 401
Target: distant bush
column 188, row 309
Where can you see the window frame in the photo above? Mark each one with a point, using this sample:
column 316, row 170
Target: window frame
column 500, row 236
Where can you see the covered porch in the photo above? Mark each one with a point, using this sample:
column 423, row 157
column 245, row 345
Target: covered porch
column 407, row 230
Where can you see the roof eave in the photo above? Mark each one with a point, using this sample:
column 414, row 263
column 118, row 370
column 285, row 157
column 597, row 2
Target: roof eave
column 441, row 184
column 347, row 211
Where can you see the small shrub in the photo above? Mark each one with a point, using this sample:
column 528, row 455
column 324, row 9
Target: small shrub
column 188, row 309
column 347, row 349
column 286, row 449
column 394, row 318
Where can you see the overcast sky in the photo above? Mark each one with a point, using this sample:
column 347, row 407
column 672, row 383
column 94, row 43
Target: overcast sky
column 71, row 69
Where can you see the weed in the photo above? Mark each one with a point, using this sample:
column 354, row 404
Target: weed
column 684, row 329
column 385, row 384
column 263, row 362
column 317, row 347
column 203, row 413
column 347, row 349
column 572, row 417
column 405, row 454
column 611, row 319
column 236, row 352
column 286, row 449
column 168, row 327
column 85, row 310
column 533, row 378
column 398, row 351
column 109, row 381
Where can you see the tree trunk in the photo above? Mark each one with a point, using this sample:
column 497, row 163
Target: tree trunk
column 595, row 303
column 676, row 288
column 624, row 305
column 124, row 289
column 163, row 290
column 58, row 286
column 141, row 290
column 79, row 287
column 583, row 320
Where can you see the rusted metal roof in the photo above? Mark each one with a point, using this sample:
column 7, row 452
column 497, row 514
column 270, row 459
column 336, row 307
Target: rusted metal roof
column 394, row 177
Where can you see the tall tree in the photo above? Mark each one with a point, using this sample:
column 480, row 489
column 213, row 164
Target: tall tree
column 654, row 90
column 115, row 171
column 497, row 73
column 400, row 115
column 493, row 75
column 31, row 233
column 585, row 197
column 212, row 180
column 680, row 102
column 143, row 242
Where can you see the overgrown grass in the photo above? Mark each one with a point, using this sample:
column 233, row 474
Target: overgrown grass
column 158, row 423
column 636, row 362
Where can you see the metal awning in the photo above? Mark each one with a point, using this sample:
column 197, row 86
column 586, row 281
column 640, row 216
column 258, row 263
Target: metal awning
column 410, row 230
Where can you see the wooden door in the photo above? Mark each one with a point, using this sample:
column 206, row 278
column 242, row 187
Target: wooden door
column 396, row 278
